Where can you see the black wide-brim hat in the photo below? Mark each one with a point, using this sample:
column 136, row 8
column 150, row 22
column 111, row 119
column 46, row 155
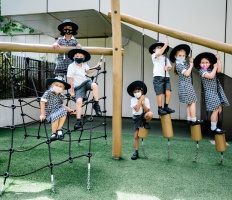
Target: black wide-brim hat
column 59, row 79
column 136, row 84
column 185, row 47
column 212, row 58
column 153, row 46
column 68, row 22
column 72, row 52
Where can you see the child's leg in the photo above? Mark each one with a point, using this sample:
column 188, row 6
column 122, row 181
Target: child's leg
column 78, row 107
column 148, row 116
column 214, row 120
column 94, row 87
column 136, row 140
column 55, row 126
column 168, row 96
column 192, row 110
column 159, row 100
column 61, row 122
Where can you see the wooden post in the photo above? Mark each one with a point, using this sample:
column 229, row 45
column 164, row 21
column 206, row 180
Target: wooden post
column 117, row 80
column 220, row 46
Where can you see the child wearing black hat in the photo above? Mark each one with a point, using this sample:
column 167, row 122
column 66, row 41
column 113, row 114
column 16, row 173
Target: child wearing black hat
column 67, row 29
column 161, row 78
column 186, row 90
column 140, row 109
column 80, row 84
column 52, row 107
column 208, row 66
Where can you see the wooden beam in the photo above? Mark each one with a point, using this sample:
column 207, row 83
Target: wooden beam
column 117, row 80
column 220, row 46
column 41, row 48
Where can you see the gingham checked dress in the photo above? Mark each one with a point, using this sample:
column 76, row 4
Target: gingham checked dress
column 186, row 91
column 63, row 61
column 214, row 93
column 53, row 106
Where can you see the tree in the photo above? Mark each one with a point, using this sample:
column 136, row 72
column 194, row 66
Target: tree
column 9, row 27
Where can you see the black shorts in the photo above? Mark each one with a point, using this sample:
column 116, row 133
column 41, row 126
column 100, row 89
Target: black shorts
column 159, row 84
column 138, row 121
column 80, row 91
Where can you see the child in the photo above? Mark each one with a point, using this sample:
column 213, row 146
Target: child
column 186, row 91
column 208, row 65
column 161, row 78
column 79, row 83
column 67, row 30
column 140, row 110
column 52, row 107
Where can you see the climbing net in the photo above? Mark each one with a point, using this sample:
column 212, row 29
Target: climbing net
column 42, row 133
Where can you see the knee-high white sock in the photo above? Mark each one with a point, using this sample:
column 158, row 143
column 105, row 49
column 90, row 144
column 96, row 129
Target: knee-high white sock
column 213, row 125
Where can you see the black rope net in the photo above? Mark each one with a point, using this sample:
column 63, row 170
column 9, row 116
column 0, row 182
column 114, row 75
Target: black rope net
column 42, row 132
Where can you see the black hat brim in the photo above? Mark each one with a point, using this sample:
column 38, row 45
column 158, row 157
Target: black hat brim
column 212, row 58
column 52, row 80
column 153, row 46
column 72, row 52
column 136, row 84
column 73, row 25
column 185, row 47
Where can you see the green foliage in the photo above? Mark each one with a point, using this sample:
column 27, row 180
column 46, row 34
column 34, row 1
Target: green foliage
column 10, row 27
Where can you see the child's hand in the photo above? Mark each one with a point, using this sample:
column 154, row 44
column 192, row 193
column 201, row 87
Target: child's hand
column 55, row 46
column 72, row 94
column 79, row 46
column 42, row 117
column 142, row 98
column 167, row 68
column 217, row 56
column 166, row 43
column 70, row 110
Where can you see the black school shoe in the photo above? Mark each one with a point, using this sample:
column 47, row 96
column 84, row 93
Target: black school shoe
column 53, row 137
column 135, row 156
column 78, row 125
column 161, row 111
column 146, row 125
column 97, row 109
column 60, row 134
column 218, row 131
column 169, row 110
column 196, row 122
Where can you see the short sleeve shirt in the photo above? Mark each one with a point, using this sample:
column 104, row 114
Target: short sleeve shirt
column 158, row 65
column 134, row 102
column 78, row 73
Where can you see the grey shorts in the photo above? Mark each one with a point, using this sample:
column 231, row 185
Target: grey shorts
column 159, row 83
column 80, row 91
column 138, row 121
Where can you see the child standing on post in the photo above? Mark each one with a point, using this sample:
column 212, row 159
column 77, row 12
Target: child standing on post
column 80, row 84
column 186, row 91
column 67, row 29
column 208, row 65
column 140, row 109
column 161, row 78
column 52, row 107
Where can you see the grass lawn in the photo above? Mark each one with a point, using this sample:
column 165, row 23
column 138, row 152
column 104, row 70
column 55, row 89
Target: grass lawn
column 144, row 179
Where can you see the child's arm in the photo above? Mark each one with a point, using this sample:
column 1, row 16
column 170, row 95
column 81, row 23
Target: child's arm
column 219, row 65
column 212, row 74
column 137, row 107
column 42, row 111
column 71, row 90
column 188, row 72
column 94, row 68
column 162, row 49
column 56, row 45
column 145, row 108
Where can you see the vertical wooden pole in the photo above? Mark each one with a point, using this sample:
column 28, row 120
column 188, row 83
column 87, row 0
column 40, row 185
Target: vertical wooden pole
column 117, row 80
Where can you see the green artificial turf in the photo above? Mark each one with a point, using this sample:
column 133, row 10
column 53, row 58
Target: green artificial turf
column 150, row 179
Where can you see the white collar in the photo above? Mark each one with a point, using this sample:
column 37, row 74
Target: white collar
column 71, row 37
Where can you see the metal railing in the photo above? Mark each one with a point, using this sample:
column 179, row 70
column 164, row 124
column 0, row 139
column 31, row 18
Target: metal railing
column 29, row 76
